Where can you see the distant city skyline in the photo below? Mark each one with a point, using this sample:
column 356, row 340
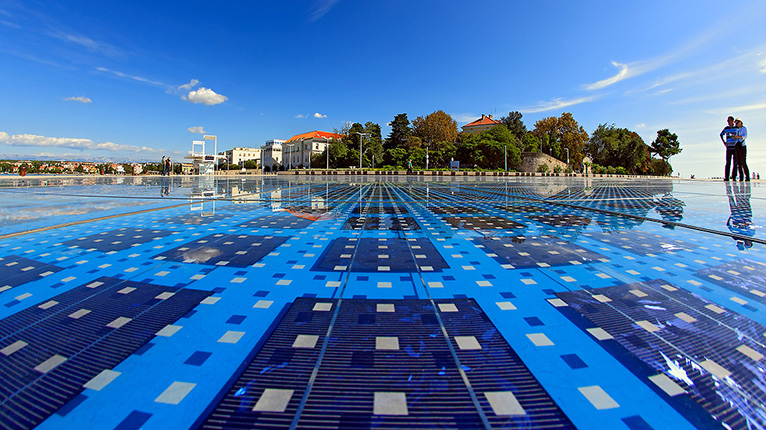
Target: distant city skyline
column 133, row 81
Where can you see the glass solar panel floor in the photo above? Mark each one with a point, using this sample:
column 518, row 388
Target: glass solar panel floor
column 305, row 302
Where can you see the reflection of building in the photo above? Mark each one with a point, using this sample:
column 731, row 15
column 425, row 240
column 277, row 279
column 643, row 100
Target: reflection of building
column 484, row 123
column 299, row 148
column 238, row 156
column 271, row 154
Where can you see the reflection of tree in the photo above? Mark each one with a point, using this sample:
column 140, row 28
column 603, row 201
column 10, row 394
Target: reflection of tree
column 670, row 208
column 741, row 220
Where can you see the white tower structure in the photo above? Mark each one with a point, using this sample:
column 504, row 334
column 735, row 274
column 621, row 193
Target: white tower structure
column 203, row 162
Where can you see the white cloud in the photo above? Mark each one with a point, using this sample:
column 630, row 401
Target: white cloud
column 465, row 117
column 557, row 104
column 319, row 115
column 624, row 73
column 200, row 130
column 80, row 99
column 320, row 9
column 762, row 63
column 133, row 77
column 186, row 87
column 66, row 142
column 300, row 115
column 205, row 96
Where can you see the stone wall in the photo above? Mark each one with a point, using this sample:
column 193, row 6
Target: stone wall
column 531, row 160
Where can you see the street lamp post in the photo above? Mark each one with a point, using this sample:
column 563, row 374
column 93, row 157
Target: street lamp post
column 567, row 149
column 505, row 154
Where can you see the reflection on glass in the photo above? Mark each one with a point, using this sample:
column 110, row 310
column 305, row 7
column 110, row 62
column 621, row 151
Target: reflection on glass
column 740, row 221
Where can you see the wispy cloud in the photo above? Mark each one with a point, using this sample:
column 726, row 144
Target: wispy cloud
column 557, row 104
column 667, row 80
column 300, row 115
column 320, row 9
column 67, row 142
column 204, row 96
column 622, row 74
column 132, row 77
column 80, row 99
column 200, row 130
column 319, row 115
column 186, row 87
column 88, row 43
column 465, row 117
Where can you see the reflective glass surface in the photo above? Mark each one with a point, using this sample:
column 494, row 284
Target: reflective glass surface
column 352, row 301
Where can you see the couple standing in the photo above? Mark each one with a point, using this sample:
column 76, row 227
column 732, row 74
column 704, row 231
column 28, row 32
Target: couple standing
column 735, row 134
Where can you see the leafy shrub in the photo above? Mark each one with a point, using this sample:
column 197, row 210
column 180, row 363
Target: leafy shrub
column 543, row 168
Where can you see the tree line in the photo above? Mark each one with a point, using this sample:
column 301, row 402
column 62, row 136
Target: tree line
column 434, row 139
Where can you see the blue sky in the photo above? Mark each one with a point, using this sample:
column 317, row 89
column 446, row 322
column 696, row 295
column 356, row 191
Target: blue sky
column 138, row 80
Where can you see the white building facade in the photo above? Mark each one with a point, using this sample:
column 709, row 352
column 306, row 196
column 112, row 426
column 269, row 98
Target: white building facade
column 271, row 154
column 238, row 156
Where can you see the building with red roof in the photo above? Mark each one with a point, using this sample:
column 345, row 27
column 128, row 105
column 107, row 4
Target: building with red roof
column 484, row 123
column 299, row 148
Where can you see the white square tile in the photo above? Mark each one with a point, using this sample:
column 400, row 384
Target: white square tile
column 447, row 307
column 467, row 342
column 305, row 341
column 102, row 380
column 263, row 304
column 169, row 330
column 322, row 307
column 388, row 343
column 506, row 306
column 598, row 397
column 15, row 346
column 504, row 403
column 669, row 386
column 385, row 307
column 390, row 403
column 231, row 337
column 175, row 393
column 539, row 339
column 273, row 400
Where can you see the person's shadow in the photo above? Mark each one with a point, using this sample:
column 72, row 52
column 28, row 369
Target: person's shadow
column 740, row 221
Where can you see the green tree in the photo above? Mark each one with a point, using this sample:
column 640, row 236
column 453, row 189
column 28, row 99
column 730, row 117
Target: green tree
column 396, row 157
column 373, row 143
column 665, row 145
column 515, row 124
column 442, row 153
column 563, row 133
column 488, row 148
column 338, row 153
column 661, row 167
column 400, row 132
column 435, row 127
column 614, row 147
column 530, row 143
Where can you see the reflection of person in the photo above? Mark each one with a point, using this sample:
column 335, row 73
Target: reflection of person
column 741, row 220
column 740, row 152
column 730, row 131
